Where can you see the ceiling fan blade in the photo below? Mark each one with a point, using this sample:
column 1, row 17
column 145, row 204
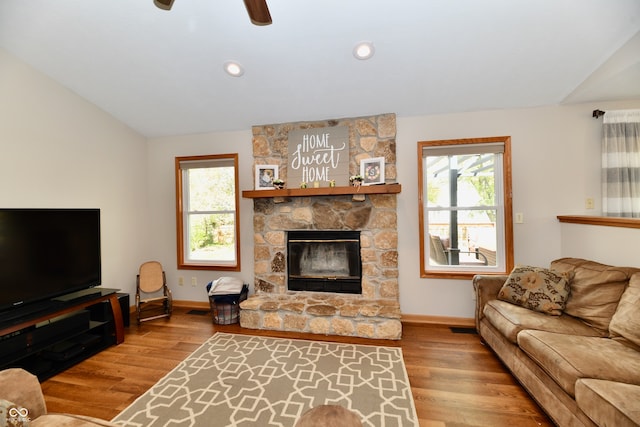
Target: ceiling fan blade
column 163, row 4
column 258, row 11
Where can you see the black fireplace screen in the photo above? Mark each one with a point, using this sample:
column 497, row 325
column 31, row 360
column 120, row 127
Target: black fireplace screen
column 324, row 261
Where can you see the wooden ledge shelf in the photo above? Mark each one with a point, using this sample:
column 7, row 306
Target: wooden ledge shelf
column 323, row 191
column 600, row 220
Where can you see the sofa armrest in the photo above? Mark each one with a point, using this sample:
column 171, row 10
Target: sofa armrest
column 486, row 288
column 23, row 389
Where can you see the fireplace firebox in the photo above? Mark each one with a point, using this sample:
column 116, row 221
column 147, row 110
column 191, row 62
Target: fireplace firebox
column 324, row 261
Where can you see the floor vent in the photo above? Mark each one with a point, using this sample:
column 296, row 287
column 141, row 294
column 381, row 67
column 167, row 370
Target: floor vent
column 198, row 312
column 458, row 330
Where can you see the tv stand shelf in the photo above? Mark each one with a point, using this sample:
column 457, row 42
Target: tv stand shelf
column 68, row 330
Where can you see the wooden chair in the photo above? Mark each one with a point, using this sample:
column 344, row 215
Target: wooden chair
column 153, row 296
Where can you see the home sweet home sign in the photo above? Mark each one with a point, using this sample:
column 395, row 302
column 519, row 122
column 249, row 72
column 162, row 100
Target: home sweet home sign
column 317, row 156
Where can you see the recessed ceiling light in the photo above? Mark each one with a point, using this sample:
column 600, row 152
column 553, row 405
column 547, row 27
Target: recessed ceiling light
column 233, row 68
column 364, row 50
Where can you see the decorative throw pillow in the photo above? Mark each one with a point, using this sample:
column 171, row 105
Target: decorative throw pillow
column 537, row 288
column 12, row 415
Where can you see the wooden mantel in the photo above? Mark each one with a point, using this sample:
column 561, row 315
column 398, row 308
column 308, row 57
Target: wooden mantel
column 323, row 191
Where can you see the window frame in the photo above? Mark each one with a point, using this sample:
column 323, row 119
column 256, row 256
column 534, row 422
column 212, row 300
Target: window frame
column 182, row 262
column 507, row 214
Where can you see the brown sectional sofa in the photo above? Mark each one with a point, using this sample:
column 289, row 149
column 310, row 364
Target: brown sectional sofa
column 22, row 404
column 582, row 366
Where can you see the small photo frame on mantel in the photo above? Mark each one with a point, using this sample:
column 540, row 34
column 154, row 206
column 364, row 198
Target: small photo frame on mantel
column 265, row 174
column 372, row 171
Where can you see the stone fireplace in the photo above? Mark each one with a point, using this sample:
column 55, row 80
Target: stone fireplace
column 373, row 311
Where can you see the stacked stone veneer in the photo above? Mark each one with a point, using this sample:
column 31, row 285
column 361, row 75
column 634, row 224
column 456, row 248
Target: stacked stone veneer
column 376, row 312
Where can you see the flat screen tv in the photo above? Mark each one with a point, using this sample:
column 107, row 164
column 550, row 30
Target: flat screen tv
column 45, row 253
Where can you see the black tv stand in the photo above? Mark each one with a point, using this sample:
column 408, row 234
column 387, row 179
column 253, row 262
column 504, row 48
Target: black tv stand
column 85, row 293
column 24, row 311
column 49, row 338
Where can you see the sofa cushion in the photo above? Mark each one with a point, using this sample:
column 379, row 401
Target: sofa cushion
column 609, row 403
column 510, row 319
column 13, row 415
column 537, row 288
column 329, row 415
column 22, row 387
column 625, row 322
column 567, row 358
column 595, row 289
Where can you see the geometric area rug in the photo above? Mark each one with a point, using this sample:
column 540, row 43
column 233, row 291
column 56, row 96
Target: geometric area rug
column 244, row 380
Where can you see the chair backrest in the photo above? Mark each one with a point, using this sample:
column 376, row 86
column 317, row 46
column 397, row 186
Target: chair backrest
column 151, row 277
column 437, row 250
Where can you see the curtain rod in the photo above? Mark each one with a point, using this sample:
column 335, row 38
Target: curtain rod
column 597, row 114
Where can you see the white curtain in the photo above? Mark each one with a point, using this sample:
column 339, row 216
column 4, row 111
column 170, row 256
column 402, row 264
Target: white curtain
column 621, row 163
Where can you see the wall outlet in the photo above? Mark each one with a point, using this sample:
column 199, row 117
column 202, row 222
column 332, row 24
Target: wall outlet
column 589, row 204
column 180, row 281
column 194, row 281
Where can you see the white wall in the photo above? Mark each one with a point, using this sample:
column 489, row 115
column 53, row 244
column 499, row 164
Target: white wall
column 556, row 166
column 61, row 151
column 608, row 245
column 162, row 197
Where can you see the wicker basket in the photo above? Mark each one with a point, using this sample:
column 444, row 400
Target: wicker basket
column 225, row 309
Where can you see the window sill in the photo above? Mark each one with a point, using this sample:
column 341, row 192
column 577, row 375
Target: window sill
column 460, row 275
column 600, row 220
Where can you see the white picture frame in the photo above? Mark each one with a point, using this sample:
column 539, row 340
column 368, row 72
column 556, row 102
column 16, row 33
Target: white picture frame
column 372, row 171
column 264, row 176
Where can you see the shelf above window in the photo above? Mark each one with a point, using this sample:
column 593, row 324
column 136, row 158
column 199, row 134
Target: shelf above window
column 323, row 191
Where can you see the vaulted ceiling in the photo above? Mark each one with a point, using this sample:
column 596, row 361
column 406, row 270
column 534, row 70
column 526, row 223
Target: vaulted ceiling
column 161, row 72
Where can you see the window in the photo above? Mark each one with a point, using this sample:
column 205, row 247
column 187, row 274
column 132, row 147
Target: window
column 621, row 163
column 207, row 212
column 465, row 207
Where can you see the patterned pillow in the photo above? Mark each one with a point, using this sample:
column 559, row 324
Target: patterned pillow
column 12, row 415
column 538, row 289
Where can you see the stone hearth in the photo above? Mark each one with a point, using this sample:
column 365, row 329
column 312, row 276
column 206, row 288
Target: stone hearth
column 376, row 312
column 322, row 313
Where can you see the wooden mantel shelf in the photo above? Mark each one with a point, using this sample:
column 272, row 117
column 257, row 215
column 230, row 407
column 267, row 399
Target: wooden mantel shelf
column 323, row 191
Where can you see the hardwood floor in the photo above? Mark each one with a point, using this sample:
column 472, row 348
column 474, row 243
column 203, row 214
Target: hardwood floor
column 455, row 380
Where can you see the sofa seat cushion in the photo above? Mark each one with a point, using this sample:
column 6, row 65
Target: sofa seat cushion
column 595, row 289
column 609, row 403
column 567, row 358
column 510, row 319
